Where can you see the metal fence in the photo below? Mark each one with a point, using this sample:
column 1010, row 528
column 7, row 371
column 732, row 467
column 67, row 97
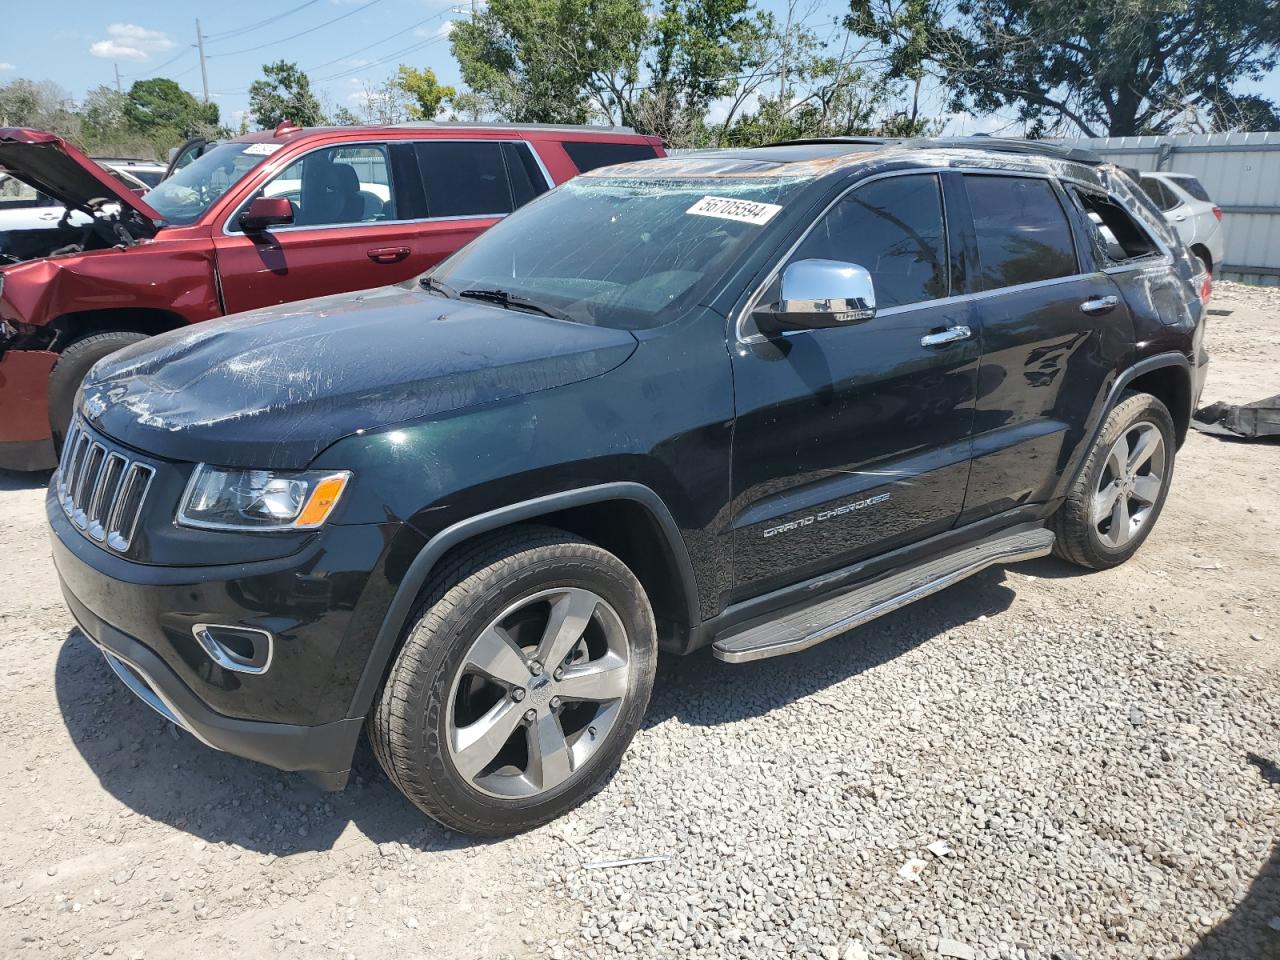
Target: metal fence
column 1241, row 171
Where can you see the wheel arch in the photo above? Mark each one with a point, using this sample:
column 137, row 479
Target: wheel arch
column 628, row 519
column 79, row 324
column 1171, row 385
column 1201, row 251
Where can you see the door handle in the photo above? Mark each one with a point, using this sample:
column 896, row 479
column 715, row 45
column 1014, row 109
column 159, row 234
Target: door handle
column 1179, row 217
column 388, row 254
column 942, row 337
column 1099, row 305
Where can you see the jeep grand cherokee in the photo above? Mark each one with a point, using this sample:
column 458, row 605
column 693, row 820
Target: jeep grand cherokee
column 747, row 400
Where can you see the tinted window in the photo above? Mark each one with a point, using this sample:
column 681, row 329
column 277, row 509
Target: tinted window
column 894, row 228
column 1193, row 187
column 464, row 178
column 1023, row 234
column 1162, row 196
column 587, row 155
column 526, row 179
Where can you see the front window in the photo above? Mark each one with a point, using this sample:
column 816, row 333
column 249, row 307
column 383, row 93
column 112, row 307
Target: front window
column 617, row 252
column 184, row 197
column 335, row 186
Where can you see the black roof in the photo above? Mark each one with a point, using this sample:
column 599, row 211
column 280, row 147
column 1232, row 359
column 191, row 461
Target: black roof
column 991, row 144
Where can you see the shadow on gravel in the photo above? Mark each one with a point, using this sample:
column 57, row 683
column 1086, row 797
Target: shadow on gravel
column 165, row 774
column 1246, row 932
column 703, row 691
column 24, row 481
column 160, row 772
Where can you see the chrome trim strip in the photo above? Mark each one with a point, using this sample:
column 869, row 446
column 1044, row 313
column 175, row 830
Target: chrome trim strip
column 145, row 689
column 220, row 656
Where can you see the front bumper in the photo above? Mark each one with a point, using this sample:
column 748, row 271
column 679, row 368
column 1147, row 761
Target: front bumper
column 322, row 753
column 25, row 439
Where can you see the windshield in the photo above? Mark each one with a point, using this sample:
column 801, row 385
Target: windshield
column 616, row 252
column 185, row 196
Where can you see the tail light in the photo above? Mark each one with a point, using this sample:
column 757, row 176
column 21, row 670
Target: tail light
column 1206, row 288
column 1217, row 212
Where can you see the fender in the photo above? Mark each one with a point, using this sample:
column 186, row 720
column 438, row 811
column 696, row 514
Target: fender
column 1127, row 376
column 393, row 623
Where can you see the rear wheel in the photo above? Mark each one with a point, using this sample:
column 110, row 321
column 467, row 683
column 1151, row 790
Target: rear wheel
column 1119, row 494
column 69, row 372
column 520, row 685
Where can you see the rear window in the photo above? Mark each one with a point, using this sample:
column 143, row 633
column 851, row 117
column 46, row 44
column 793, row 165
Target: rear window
column 1193, row 187
column 588, row 155
column 1121, row 237
column 464, row 178
column 1022, row 231
column 1160, row 195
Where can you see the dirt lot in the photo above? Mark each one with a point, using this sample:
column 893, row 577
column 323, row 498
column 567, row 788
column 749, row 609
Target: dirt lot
column 1098, row 752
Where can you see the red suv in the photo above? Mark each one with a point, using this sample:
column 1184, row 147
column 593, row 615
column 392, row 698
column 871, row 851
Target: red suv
column 264, row 219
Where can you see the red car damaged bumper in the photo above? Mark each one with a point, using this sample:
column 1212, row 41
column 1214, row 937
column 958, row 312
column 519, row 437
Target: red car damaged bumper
column 25, row 440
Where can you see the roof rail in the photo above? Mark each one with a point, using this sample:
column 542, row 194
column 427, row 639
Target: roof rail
column 501, row 125
column 976, row 142
column 1007, row 145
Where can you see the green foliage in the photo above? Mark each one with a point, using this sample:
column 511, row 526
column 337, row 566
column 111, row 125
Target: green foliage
column 1106, row 67
column 284, row 94
column 425, row 94
column 159, row 108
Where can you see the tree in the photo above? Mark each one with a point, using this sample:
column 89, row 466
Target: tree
column 160, row 107
column 426, row 96
column 284, row 94
column 1104, row 67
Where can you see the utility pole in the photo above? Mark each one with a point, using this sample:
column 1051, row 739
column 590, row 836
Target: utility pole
column 204, row 73
column 117, row 66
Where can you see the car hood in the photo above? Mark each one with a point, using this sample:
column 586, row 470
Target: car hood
column 274, row 387
column 55, row 167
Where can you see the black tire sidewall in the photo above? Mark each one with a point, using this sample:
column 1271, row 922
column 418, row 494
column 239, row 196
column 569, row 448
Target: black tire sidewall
column 591, row 569
column 1136, row 409
column 72, row 366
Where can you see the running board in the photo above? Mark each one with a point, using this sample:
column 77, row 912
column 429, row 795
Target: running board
column 800, row 628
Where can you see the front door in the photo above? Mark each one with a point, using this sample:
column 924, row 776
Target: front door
column 854, row 440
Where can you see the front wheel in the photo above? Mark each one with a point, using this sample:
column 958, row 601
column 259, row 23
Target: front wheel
column 69, row 371
column 520, row 685
column 1115, row 501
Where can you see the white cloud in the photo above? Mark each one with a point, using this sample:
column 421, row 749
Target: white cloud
column 7, row 66
column 128, row 41
column 443, row 30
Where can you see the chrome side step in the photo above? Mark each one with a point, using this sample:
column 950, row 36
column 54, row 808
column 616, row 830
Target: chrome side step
column 798, row 629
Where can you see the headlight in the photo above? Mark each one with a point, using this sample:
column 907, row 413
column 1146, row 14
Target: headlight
column 219, row 498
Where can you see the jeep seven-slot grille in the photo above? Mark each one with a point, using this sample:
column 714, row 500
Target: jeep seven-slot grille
column 101, row 490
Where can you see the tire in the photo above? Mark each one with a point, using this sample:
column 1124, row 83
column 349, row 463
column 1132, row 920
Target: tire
column 1132, row 478
column 423, row 723
column 69, row 372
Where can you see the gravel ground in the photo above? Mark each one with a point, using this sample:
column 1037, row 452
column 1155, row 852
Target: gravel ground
column 1038, row 763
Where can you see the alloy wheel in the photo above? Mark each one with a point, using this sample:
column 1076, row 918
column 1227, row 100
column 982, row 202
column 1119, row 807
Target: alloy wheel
column 1130, row 484
column 537, row 693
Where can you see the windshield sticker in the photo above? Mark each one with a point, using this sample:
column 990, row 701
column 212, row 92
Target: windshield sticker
column 263, row 149
column 726, row 208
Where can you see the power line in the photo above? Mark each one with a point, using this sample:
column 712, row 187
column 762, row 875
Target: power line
column 154, row 70
column 381, row 60
column 376, row 43
column 228, row 34
column 300, row 33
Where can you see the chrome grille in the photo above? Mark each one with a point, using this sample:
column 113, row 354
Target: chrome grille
column 101, row 489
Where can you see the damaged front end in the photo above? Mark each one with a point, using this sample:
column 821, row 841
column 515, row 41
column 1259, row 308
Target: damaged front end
column 55, row 201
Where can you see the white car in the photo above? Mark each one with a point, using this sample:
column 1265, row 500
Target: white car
column 1186, row 205
column 28, row 216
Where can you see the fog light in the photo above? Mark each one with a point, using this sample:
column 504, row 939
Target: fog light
column 240, row 649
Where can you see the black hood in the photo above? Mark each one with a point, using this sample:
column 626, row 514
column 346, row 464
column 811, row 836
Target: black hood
column 274, row 387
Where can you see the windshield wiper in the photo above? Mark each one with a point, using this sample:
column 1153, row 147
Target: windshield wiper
column 512, row 301
column 431, row 283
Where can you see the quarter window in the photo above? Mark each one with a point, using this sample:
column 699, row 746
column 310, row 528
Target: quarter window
column 589, row 155
column 895, row 229
column 1023, row 235
column 464, row 178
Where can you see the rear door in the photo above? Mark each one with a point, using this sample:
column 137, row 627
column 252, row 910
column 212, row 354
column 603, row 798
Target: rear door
column 850, row 441
column 1054, row 329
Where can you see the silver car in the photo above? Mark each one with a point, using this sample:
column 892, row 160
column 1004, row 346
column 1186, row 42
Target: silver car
column 1186, row 205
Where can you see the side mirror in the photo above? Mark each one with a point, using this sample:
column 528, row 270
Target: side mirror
column 266, row 212
column 817, row 294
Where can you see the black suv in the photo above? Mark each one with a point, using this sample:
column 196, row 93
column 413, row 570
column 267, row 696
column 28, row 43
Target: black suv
column 747, row 400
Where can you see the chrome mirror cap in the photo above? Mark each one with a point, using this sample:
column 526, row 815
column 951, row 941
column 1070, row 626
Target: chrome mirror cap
column 824, row 293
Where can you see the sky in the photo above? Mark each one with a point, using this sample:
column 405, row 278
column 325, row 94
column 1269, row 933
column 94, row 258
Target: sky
column 341, row 44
